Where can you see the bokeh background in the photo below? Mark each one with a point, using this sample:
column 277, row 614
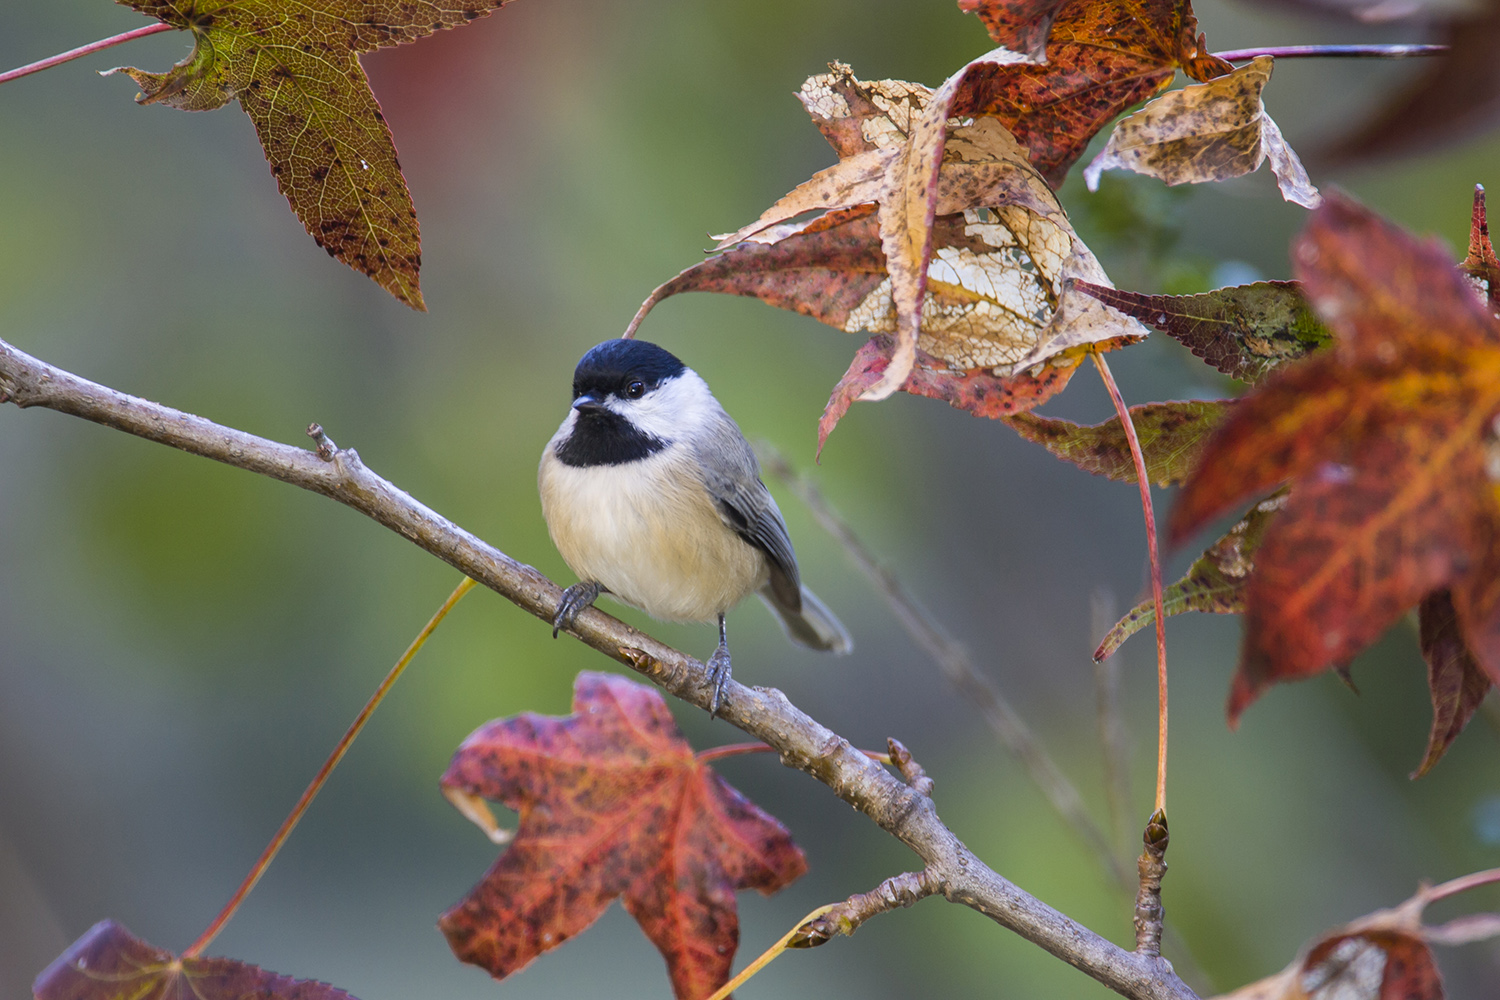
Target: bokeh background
column 181, row 643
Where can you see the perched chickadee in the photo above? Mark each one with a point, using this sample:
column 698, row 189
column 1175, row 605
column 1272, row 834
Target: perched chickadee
column 652, row 494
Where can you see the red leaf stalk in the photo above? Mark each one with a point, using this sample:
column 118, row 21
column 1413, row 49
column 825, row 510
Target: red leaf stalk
column 84, row 50
column 1151, row 547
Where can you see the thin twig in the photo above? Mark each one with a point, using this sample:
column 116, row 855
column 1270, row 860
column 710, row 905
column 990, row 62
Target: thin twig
column 1155, row 557
column 957, row 667
column 844, row 918
column 763, row 713
column 321, row 778
column 1150, row 915
column 1333, row 52
column 84, row 50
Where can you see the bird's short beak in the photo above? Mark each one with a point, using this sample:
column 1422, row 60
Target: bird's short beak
column 587, row 404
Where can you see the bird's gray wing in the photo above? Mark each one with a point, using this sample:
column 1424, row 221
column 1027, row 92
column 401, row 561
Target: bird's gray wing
column 732, row 476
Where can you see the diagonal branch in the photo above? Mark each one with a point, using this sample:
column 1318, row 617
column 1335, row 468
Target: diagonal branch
column 764, row 713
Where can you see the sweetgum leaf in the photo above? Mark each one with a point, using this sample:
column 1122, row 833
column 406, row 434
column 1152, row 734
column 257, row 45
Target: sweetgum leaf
column 1481, row 264
column 1102, row 57
column 110, row 963
column 1245, row 331
column 1171, row 435
column 612, row 804
column 1019, row 25
column 1213, row 584
column 1389, row 441
column 1209, row 131
column 294, row 68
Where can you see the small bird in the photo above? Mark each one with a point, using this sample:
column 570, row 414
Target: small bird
column 653, row 496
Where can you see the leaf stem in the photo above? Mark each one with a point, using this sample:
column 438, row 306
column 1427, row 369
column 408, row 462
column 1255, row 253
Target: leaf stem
column 1333, row 52
column 730, row 750
column 1461, row 884
column 1151, row 547
column 84, row 50
column 321, row 778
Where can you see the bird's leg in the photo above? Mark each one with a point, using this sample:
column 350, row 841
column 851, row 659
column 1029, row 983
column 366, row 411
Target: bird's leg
column 718, row 671
column 574, row 600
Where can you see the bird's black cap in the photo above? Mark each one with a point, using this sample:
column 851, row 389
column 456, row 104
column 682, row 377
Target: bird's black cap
column 611, row 366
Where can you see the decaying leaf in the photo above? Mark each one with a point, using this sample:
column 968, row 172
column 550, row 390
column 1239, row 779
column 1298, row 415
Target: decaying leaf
column 1245, row 331
column 1207, row 132
column 1213, row 584
column 110, row 963
column 1389, row 441
column 612, row 803
column 295, row 70
column 1171, row 436
column 979, row 392
column 1386, row 955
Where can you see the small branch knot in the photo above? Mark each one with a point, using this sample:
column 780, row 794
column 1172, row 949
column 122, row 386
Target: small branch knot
column 898, row 891
column 326, row 448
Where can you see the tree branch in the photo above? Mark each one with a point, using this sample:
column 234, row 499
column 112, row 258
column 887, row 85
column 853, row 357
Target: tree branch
column 764, row 713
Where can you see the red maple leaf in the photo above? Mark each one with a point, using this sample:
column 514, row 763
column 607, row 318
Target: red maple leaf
column 612, row 803
column 1389, row 442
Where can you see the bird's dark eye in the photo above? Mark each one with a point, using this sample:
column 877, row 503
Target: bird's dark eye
column 635, row 390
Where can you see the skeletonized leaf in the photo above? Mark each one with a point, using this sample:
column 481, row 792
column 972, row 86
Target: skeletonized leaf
column 1206, row 132
column 1244, row 331
column 856, row 116
column 612, row 803
column 1214, row 583
column 110, row 963
column 979, row 392
column 294, row 68
column 1171, row 436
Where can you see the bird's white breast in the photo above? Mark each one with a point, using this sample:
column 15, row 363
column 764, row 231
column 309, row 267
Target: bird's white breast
column 649, row 532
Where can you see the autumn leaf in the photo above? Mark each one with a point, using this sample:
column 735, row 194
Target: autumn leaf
column 1245, row 331
column 1102, row 57
column 1213, row 584
column 612, row 803
column 294, row 68
column 110, row 963
column 979, row 392
column 1209, row 131
column 1456, row 680
column 1171, row 436
column 1388, row 439
column 1019, row 25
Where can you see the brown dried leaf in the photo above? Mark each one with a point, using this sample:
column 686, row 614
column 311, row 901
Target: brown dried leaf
column 1454, row 677
column 1481, row 264
column 1019, row 25
column 1206, row 132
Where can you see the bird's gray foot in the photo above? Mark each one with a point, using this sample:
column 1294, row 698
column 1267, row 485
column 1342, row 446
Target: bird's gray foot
column 577, row 597
column 718, row 671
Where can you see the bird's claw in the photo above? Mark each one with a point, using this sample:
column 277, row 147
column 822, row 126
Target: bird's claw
column 718, row 675
column 574, row 600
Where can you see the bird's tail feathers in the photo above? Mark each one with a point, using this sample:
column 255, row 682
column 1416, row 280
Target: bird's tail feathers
column 814, row 626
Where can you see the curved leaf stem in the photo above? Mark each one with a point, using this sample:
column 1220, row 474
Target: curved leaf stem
column 321, row 778
column 1333, row 52
column 1151, row 547
column 84, row 50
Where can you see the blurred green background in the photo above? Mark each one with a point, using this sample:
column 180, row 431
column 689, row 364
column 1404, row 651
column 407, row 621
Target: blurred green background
column 181, row 643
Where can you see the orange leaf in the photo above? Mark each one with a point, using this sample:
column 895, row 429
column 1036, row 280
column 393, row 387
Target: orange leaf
column 1389, row 442
column 612, row 803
